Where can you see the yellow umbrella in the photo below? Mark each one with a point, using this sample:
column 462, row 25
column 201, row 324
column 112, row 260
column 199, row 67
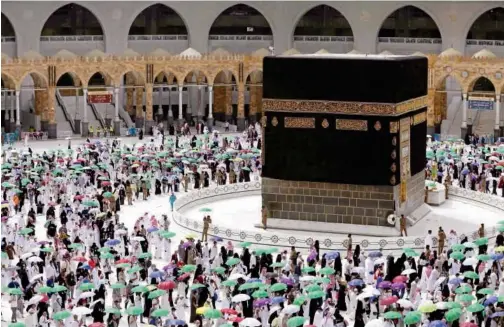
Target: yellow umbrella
column 202, row 310
column 499, row 249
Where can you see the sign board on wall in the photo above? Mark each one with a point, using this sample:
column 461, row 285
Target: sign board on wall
column 99, row 97
column 480, row 103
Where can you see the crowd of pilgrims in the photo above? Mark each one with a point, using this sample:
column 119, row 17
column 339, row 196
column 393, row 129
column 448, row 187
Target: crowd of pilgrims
column 85, row 268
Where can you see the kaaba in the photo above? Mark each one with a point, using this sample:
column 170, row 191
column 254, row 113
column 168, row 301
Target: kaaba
column 344, row 137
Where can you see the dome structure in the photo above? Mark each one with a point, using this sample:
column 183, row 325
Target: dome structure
column 32, row 55
column 129, row 53
column 160, row 53
column 263, row 52
column 449, row 53
column 190, row 52
column 322, row 51
column 418, row 54
column 65, row 54
column 484, row 54
column 386, row 53
column 354, row 52
column 291, row 52
column 95, row 54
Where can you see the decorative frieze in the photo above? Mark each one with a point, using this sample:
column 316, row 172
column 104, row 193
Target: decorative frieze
column 351, row 125
column 299, row 122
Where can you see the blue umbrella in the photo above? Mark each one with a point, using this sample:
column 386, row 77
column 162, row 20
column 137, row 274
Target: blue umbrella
column 455, row 281
column 254, row 280
column 437, row 323
column 497, row 314
column 152, row 229
column 491, row 300
column 156, row 274
column 332, row 255
column 497, row 256
column 278, row 299
column 356, row 282
column 112, row 242
column 375, row 254
column 216, row 239
column 176, row 322
column 85, row 266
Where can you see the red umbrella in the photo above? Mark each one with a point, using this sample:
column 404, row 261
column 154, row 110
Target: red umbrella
column 125, row 260
column 168, row 285
column 80, row 259
column 235, row 319
column 97, row 324
column 229, row 311
column 468, row 324
column 81, row 159
column 105, row 183
column 400, row 279
column 389, row 300
column 184, row 276
column 79, row 197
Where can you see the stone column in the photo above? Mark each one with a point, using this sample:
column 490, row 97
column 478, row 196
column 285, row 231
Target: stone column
column 170, row 111
column 129, row 101
column 160, row 112
column 463, row 129
column 117, row 121
column 252, row 103
column 85, row 122
column 77, row 118
column 12, row 123
column 241, row 107
column 149, row 115
column 52, row 131
column 497, row 128
column 200, row 111
column 189, row 108
column 139, row 114
column 180, row 102
column 219, row 101
column 228, row 103
column 210, row 120
column 18, row 113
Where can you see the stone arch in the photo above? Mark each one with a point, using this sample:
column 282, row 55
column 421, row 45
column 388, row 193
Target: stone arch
column 441, row 80
column 162, row 76
column 68, row 78
column 157, row 13
column 406, row 12
column 241, row 24
column 224, row 83
column 88, row 24
column 198, row 76
column 447, row 85
column 7, row 27
column 323, row 28
column 253, row 83
column 489, row 16
column 8, row 81
column 137, row 77
column 98, row 79
column 481, row 84
column 39, row 80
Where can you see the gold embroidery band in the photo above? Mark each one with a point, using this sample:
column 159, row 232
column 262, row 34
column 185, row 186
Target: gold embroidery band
column 394, row 127
column 337, row 107
column 299, row 122
column 351, row 125
column 419, row 118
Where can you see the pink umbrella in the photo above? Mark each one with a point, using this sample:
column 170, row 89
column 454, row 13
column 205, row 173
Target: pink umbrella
column 400, row 279
column 468, row 324
column 389, row 300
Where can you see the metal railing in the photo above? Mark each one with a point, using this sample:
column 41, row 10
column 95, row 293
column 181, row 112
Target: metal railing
column 240, row 37
column 495, row 43
column 97, row 115
column 6, row 39
column 62, row 105
column 321, row 38
column 411, row 40
column 72, row 38
column 283, row 239
column 157, row 38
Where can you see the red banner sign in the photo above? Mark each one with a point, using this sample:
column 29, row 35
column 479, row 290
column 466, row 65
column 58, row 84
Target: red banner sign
column 101, row 97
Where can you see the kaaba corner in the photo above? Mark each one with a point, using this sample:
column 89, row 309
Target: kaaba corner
column 344, row 137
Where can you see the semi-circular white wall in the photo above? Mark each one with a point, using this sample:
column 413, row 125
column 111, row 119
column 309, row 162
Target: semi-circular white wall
column 453, row 19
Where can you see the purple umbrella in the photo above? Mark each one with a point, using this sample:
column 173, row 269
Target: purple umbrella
column 216, row 239
column 497, row 314
column 156, row 274
column 385, row 285
column 375, row 254
column 112, row 242
column 261, row 302
column 455, row 281
column 437, row 323
column 42, row 242
column 170, row 266
column 287, row 281
column 356, row 282
column 152, row 229
column 187, row 244
column 312, row 256
column 277, row 299
column 332, row 255
column 254, row 280
column 398, row 286
column 491, row 300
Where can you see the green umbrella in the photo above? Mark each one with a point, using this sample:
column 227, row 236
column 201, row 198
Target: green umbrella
column 4, row 255
column 327, row 271
column 123, row 265
column 45, row 289
column 188, row 268
column 59, row 288
column 313, row 288
column 196, row 286
column 205, row 210
column 25, row 231
column 212, row 314
column 229, row 283
column 277, row 265
column 46, row 250
column 144, row 255
column 157, row 293
column 118, row 286
column 160, row 313
column 457, row 255
column 134, row 311
column 316, row 295
column 476, row 307
column 166, row 234
column 299, row 301
column 107, row 194
column 500, row 228
column 249, row 286
column 113, row 311
column 484, row 257
column 466, row 298
column 86, row 287
column 323, row 280
column 453, row 305
column 278, row 287
column 226, row 325
column 481, row 241
column 296, row 321
column 453, row 314
column 259, row 294
column 244, row 244
column 232, row 261
column 139, row 289
column 14, row 291
column 412, row 253
column 219, row 270
column 307, row 270
column 412, row 318
column 392, row 315
column 485, row 291
column 458, row 247
column 75, row 246
column 463, row 289
column 17, row 324
column 106, row 255
column 61, row 315
column 471, row 275
column 134, row 269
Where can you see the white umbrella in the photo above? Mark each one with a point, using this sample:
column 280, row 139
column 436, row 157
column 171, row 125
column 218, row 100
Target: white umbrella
column 35, row 259
column 439, row 281
column 371, row 289
column 34, row 278
column 250, row 322
column 121, row 232
column 379, row 261
column 441, row 305
column 290, row 309
column 86, row 294
column 470, row 261
column 240, row 298
column 364, row 295
column 92, row 304
column 469, row 245
column 375, row 323
column 274, row 308
column 138, row 238
column 80, row 311
column 26, row 255
column 408, row 271
column 35, row 299
column 307, row 278
column 405, row 303
column 237, row 276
